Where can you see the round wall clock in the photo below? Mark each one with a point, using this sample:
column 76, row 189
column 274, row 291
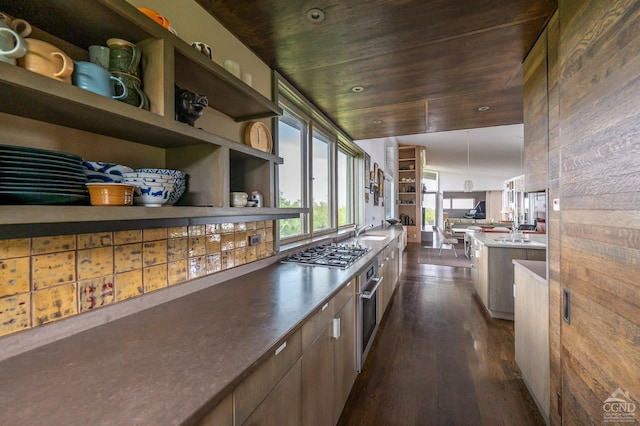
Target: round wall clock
column 258, row 136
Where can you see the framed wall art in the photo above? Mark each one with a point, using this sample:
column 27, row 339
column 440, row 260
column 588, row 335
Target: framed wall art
column 367, row 168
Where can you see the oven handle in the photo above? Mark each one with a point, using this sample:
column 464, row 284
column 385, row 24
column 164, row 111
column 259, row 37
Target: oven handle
column 369, row 294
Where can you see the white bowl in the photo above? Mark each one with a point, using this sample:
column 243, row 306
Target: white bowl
column 143, row 175
column 151, row 195
column 169, row 172
column 180, row 183
column 143, row 180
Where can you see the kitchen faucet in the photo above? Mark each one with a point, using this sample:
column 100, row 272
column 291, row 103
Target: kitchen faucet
column 358, row 231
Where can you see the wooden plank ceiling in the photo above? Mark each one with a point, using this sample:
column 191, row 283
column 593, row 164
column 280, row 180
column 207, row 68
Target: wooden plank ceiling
column 425, row 65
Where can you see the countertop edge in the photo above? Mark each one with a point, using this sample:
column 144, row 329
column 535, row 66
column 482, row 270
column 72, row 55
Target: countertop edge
column 537, row 268
column 213, row 393
column 538, row 241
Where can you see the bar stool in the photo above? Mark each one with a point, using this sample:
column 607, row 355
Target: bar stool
column 467, row 238
column 446, row 240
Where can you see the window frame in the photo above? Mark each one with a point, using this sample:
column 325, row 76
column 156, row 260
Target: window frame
column 304, row 196
column 293, row 103
column 331, row 178
column 348, row 189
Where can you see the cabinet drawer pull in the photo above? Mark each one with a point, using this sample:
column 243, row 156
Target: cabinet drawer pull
column 326, row 305
column 281, row 348
column 566, row 305
column 336, row 328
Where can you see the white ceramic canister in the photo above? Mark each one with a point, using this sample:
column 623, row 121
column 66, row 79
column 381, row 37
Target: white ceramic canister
column 239, row 199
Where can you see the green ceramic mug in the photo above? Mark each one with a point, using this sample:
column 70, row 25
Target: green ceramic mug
column 124, row 57
column 135, row 95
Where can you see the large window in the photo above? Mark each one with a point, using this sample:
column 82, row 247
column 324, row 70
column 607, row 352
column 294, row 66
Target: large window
column 458, row 203
column 345, row 187
column 321, row 154
column 318, row 174
column 291, row 146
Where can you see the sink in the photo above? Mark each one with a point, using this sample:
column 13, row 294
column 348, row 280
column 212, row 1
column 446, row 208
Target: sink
column 372, row 237
column 516, row 241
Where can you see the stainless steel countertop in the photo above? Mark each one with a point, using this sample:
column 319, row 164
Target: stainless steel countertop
column 168, row 363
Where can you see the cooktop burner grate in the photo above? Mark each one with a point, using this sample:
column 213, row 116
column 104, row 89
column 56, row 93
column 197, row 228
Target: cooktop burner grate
column 329, row 255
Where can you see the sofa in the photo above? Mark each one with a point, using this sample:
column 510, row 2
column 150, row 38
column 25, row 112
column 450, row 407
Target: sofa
column 458, row 223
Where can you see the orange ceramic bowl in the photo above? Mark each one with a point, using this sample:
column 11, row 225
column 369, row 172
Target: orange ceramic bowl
column 110, row 194
column 155, row 16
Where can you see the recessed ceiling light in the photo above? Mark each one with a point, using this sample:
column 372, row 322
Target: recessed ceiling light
column 357, row 89
column 483, row 108
column 315, row 15
column 377, row 122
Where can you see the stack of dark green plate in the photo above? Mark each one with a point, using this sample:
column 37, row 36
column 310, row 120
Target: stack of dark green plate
column 40, row 176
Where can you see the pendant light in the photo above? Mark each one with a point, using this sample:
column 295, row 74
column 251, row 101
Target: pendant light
column 468, row 184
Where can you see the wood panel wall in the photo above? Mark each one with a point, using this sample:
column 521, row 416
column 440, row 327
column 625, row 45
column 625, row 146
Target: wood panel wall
column 553, row 218
column 535, row 112
column 599, row 191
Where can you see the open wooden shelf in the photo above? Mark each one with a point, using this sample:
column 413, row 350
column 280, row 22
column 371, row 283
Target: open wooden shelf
column 87, row 22
column 216, row 165
column 30, row 221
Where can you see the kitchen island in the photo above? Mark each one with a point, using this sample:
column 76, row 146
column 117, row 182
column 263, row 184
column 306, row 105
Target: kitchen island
column 175, row 362
column 492, row 269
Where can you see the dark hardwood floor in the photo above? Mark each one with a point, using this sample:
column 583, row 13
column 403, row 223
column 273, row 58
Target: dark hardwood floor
column 439, row 359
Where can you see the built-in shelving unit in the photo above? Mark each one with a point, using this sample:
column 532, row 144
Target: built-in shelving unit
column 513, row 206
column 216, row 165
column 409, row 190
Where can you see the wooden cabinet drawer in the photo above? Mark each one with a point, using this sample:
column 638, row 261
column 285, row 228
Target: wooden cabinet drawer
column 221, row 415
column 344, row 361
column 283, row 406
column 317, row 381
column 344, row 295
column 253, row 390
column 318, row 322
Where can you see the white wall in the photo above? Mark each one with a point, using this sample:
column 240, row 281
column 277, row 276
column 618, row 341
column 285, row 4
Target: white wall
column 452, row 181
column 495, row 155
column 193, row 23
column 375, row 148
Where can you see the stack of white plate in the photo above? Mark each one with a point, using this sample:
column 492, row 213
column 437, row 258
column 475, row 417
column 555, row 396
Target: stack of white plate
column 40, row 176
column 152, row 189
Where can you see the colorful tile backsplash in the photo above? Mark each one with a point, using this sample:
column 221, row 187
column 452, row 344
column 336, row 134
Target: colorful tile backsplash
column 43, row 279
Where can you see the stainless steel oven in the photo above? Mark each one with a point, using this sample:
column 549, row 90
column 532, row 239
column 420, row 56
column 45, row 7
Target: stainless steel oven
column 367, row 311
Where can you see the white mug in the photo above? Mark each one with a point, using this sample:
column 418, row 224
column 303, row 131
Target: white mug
column 239, row 199
column 247, row 78
column 12, row 45
column 233, row 67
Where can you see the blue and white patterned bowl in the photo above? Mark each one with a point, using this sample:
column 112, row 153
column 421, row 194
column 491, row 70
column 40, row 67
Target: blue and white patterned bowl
column 151, row 195
column 104, row 167
column 179, row 186
column 93, row 176
column 100, row 171
column 157, row 179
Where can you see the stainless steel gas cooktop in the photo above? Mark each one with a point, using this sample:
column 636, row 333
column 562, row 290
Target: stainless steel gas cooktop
column 330, row 255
